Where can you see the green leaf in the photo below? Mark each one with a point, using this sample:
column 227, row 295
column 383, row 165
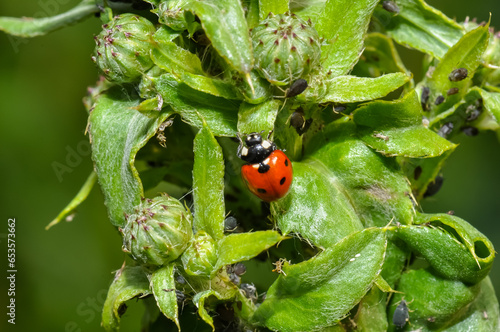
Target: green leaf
column 176, row 60
column 117, row 132
column 252, row 11
column 379, row 57
column 255, row 118
column 220, row 114
column 225, row 25
column 491, row 103
column 316, row 206
column 453, row 247
column 395, row 261
column 371, row 315
column 374, row 184
column 208, row 184
column 285, row 136
column 240, row 247
column 422, row 171
column 466, row 53
column 431, row 296
column 420, row 26
column 213, row 86
column 307, row 9
column 343, row 24
column 350, row 89
column 395, row 128
column 243, row 307
column 129, row 282
column 272, row 6
column 255, row 90
column 201, row 298
column 163, row 287
column 32, row 27
column 483, row 313
column 80, row 197
column 165, row 34
column 334, row 281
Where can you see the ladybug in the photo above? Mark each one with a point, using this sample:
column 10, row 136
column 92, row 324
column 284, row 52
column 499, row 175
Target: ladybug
column 268, row 171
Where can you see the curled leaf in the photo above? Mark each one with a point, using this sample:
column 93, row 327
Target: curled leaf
column 163, row 287
column 117, row 132
column 129, row 282
column 454, row 248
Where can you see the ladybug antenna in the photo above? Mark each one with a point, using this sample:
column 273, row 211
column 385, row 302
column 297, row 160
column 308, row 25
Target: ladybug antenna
column 270, row 133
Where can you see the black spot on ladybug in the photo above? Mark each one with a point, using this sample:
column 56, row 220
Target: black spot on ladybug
column 417, row 172
column 458, row 75
column 296, row 88
column 263, row 168
column 261, row 190
column 286, row 162
column 282, row 181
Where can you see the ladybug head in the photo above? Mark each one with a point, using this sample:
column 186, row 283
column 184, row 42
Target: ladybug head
column 256, row 149
column 253, row 139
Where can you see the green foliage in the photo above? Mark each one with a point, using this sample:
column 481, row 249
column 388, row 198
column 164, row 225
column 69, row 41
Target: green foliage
column 351, row 230
column 334, row 280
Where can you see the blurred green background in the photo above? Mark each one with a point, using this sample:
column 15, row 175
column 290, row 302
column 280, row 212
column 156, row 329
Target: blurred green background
column 63, row 273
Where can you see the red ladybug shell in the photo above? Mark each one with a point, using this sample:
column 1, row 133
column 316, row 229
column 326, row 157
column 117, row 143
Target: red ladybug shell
column 274, row 183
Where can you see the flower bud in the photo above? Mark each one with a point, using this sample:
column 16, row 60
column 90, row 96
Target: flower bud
column 158, row 232
column 122, row 48
column 286, row 48
column 200, row 258
column 171, row 13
